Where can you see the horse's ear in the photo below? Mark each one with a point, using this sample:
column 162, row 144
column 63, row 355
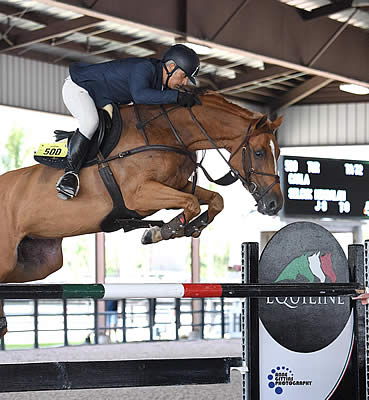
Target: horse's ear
column 261, row 121
column 277, row 123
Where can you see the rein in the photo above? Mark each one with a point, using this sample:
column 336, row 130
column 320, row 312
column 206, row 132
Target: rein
column 232, row 176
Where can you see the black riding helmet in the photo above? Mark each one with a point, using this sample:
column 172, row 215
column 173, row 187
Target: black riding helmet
column 185, row 58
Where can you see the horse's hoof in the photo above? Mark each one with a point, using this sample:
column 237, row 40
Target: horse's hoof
column 147, row 237
column 152, row 235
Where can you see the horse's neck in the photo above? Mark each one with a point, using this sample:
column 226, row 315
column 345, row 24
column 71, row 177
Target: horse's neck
column 226, row 129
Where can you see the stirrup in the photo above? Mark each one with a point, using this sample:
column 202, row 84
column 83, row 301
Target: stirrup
column 62, row 194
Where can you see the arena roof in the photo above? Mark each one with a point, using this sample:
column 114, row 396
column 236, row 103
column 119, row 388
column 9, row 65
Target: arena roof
column 274, row 52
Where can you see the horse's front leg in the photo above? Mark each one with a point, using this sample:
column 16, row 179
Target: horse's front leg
column 154, row 196
column 215, row 204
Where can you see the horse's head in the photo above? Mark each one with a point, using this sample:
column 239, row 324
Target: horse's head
column 256, row 161
column 254, row 153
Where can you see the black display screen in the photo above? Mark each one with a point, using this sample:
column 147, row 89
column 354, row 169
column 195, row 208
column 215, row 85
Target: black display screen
column 323, row 187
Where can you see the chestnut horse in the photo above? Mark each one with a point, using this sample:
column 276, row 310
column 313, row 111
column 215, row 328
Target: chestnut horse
column 33, row 221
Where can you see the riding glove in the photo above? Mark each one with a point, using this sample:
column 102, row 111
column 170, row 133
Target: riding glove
column 186, row 99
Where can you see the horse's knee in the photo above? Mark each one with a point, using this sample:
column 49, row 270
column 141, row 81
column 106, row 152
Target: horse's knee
column 217, row 203
column 192, row 207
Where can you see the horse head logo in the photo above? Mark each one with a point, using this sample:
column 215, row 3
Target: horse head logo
column 310, row 267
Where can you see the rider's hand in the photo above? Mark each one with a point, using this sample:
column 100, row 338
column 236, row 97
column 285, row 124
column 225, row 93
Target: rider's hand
column 186, row 99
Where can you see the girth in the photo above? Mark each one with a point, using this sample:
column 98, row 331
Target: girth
column 120, row 216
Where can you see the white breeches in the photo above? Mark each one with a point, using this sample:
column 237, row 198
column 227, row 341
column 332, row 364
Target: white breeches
column 81, row 106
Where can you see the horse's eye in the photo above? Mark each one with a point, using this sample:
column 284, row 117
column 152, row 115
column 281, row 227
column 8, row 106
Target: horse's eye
column 259, row 153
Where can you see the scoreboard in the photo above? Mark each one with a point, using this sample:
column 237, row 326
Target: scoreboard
column 323, row 187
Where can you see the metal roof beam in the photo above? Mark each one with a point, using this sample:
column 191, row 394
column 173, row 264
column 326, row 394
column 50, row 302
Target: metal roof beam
column 300, row 92
column 326, row 10
column 253, row 77
column 274, row 33
column 91, row 31
column 265, row 29
column 38, row 18
column 53, row 30
column 52, row 58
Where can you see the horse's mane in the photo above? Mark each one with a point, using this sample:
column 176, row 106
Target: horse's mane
column 216, row 99
column 211, row 99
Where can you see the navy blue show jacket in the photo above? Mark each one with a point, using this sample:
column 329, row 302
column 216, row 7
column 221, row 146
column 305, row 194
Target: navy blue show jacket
column 123, row 81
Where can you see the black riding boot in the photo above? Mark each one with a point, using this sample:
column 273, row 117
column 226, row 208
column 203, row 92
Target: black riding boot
column 68, row 184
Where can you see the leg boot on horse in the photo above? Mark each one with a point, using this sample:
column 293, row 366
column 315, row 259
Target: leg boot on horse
column 68, row 184
column 179, row 226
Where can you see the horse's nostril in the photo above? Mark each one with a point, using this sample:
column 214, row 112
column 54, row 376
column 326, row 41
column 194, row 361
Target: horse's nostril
column 272, row 205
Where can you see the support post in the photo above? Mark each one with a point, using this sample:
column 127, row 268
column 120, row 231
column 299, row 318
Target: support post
column 195, row 278
column 35, row 313
column 356, row 268
column 250, row 324
column 357, row 234
column 100, row 318
column 65, row 324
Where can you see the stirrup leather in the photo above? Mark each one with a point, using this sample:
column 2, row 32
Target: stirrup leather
column 62, row 194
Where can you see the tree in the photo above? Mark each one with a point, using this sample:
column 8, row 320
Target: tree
column 16, row 154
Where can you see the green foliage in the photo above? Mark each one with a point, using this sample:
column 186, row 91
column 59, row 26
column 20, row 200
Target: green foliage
column 112, row 265
column 16, row 154
column 221, row 262
column 77, row 257
column 214, row 261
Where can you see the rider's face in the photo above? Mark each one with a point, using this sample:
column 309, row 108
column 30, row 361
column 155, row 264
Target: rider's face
column 177, row 79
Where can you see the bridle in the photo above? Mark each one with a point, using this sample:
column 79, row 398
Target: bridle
column 233, row 175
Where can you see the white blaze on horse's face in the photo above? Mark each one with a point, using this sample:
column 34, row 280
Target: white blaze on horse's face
column 274, row 157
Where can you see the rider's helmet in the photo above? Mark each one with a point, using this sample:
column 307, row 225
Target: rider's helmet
column 185, row 58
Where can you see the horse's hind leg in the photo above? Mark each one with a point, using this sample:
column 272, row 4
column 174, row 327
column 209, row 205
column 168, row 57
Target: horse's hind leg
column 7, row 264
column 32, row 259
column 37, row 258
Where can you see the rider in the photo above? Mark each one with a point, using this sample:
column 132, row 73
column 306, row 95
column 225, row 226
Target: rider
column 138, row 80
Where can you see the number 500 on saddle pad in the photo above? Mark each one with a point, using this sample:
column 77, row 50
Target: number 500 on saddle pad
column 52, row 150
column 52, row 154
